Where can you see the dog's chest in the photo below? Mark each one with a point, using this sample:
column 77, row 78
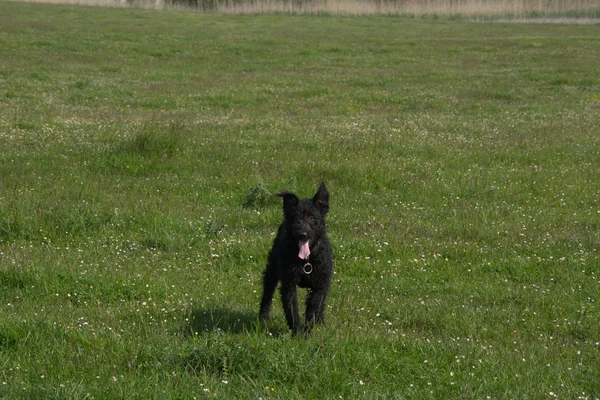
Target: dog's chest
column 305, row 281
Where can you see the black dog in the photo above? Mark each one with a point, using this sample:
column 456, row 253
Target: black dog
column 301, row 256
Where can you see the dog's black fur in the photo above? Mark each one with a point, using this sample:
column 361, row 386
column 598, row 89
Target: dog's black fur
column 301, row 234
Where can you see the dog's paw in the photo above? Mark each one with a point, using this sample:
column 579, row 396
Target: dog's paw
column 305, row 333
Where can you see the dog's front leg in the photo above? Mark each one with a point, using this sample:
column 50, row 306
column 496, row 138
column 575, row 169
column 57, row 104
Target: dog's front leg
column 270, row 280
column 290, row 305
column 315, row 307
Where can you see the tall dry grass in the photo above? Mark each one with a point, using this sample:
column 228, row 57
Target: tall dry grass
column 445, row 8
column 560, row 10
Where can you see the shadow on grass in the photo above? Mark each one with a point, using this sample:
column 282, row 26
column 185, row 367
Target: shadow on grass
column 218, row 352
column 229, row 321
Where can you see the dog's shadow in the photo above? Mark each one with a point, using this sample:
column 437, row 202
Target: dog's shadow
column 225, row 320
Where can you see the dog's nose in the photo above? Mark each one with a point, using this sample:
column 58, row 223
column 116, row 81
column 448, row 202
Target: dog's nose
column 302, row 235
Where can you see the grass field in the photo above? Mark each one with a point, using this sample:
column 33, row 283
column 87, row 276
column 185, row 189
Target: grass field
column 138, row 152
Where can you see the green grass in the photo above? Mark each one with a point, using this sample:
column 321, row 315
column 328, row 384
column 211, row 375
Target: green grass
column 138, row 153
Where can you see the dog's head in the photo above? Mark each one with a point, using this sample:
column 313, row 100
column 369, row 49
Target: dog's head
column 304, row 219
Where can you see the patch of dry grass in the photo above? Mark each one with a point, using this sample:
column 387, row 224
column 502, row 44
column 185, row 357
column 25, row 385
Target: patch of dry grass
column 570, row 11
column 466, row 8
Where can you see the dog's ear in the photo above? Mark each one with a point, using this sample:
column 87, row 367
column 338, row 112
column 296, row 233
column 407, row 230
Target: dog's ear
column 290, row 200
column 321, row 199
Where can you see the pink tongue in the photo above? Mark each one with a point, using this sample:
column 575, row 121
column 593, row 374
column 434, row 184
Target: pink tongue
column 304, row 250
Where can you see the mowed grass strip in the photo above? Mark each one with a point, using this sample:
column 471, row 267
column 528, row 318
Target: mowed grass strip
column 140, row 151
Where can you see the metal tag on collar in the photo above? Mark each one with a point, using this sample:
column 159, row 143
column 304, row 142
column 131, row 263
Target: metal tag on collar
column 308, row 268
